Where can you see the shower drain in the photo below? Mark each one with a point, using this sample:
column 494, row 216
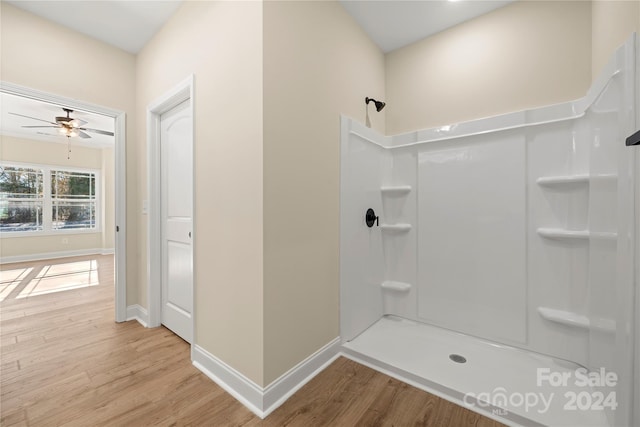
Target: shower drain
column 457, row 358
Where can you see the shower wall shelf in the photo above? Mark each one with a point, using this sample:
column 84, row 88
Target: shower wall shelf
column 569, row 318
column 395, row 286
column 563, row 179
column 564, row 317
column 397, row 228
column 395, row 190
column 549, row 181
column 560, row 233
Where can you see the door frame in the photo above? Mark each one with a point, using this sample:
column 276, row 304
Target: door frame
column 172, row 98
column 120, row 176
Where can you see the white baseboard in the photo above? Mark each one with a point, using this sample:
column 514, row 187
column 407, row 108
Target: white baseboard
column 264, row 400
column 55, row 255
column 139, row 313
column 233, row 382
column 276, row 393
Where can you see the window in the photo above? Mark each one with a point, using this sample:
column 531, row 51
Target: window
column 21, row 199
column 43, row 199
column 73, row 197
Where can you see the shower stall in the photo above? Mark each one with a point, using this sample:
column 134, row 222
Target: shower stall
column 496, row 268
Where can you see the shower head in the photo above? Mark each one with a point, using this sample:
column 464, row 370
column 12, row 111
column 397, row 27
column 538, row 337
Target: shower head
column 379, row 104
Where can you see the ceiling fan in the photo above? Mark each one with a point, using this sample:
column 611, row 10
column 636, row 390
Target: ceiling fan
column 67, row 126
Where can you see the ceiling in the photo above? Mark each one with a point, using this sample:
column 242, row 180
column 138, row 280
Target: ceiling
column 11, row 125
column 129, row 25
column 392, row 24
column 126, row 24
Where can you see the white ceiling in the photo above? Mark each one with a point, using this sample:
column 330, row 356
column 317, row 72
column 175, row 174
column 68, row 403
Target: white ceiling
column 392, row 24
column 129, row 24
column 126, row 24
column 11, row 124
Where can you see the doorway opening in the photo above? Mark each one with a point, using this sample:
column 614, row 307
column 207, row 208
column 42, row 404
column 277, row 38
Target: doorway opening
column 119, row 181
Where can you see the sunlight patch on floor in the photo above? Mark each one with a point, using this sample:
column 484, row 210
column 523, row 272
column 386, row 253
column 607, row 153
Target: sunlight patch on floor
column 62, row 277
column 10, row 279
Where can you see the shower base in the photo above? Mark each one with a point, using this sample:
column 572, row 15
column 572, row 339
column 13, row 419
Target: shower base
column 423, row 355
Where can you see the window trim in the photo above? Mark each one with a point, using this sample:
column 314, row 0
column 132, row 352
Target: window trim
column 47, row 198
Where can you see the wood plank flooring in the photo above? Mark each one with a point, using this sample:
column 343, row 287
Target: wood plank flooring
column 64, row 361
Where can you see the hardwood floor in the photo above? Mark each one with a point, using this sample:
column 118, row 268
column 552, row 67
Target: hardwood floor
column 64, row 361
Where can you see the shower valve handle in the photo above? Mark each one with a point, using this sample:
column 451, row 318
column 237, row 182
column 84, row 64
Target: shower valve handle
column 370, row 218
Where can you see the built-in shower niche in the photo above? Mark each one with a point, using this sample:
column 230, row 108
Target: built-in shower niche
column 558, row 238
column 560, row 319
column 398, row 229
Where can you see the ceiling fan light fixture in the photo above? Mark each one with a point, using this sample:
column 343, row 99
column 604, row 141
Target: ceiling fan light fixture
column 67, row 126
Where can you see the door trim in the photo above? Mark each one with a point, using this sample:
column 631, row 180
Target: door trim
column 180, row 93
column 120, row 176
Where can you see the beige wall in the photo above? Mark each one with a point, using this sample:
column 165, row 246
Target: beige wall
column 317, row 64
column 221, row 43
column 45, row 153
column 87, row 70
column 524, row 55
column 303, row 65
column 612, row 24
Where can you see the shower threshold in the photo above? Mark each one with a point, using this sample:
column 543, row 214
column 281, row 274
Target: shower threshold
column 510, row 385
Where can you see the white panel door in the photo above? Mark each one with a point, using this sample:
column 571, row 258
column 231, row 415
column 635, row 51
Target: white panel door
column 176, row 199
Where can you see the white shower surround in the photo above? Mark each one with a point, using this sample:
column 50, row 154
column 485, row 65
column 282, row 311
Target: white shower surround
column 512, row 228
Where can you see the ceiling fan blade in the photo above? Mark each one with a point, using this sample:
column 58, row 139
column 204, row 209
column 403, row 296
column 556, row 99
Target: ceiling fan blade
column 82, row 134
column 48, row 134
column 101, row 132
column 40, row 126
column 76, row 123
column 33, row 118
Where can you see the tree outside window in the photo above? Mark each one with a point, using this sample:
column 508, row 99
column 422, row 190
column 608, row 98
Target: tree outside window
column 74, row 200
column 21, row 199
column 44, row 199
